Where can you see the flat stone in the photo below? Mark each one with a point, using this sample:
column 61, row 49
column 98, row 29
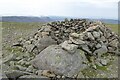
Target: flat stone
column 101, row 50
column 15, row 73
column 103, row 62
column 33, row 77
column 80, row 75
column 55, row 59
column 114, row 43
column 75, row 35
column 96, row 34
column 76, row 41
column 44, row 42
column 71, row 48
column 85, row 48
column 90, row 36
column 9, row 58
column 98, row 45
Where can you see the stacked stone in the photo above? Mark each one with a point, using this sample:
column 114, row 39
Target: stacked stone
column 97, row 38
column 62, row 47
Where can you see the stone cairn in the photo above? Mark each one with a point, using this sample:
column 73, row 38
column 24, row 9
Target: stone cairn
column 62, row 48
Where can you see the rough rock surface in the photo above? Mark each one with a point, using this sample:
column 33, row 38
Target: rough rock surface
column 56, row 59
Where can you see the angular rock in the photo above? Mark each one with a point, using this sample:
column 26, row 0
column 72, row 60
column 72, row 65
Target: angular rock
column 55, row 59
column 85, row 48
column 90, row 36
column 33, row 77
column 15, row 73
column 44, row 42
column 71, row 48
column 75, row 35
column 101, row 50
column 96, row 34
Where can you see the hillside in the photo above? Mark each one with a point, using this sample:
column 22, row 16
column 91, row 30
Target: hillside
column 47, row 19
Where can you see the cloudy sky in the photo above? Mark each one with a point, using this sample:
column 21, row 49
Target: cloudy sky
column 70, row 8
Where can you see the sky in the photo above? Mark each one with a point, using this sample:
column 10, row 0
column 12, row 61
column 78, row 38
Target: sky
column 107, row 9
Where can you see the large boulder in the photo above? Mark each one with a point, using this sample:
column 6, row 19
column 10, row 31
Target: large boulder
column 55, row 59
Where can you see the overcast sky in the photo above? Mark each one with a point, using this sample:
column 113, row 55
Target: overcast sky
column 70, row 8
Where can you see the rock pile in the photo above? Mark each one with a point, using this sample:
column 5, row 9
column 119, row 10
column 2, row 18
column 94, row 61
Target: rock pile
column 92, row 37
column 63, row 49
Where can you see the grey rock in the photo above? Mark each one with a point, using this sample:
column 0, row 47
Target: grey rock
column 114, row 43
column 21, row 68
column 15, row 73
column 3, row 76
column 71, row 48
column 103, row 38
column 56, row 59
column 101, row 50
column 17, row 44
column 29, row 47
column 75, row 35
column 90, row 36
column 48, row 73
column 44, row 42
column 33, row 77
column 80, row 75
column 9, row 58
column 103, row 62
column 96, row 34
column 85, row 48
column 98, row 45
column 76, row 41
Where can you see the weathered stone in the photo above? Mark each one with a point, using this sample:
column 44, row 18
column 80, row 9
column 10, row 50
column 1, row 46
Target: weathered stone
column 44, row 42
column 96, row 34
column 114, row 43
column 33, row 77
column 75, row 35
column 76, row 41
column 21, row 68
column 103, row 62
column 101, row 50
column 15, row 73
column 80, row 75
column 9, row 58
column 71, row 48
column 85, row 48
column 90, row 36
column 48, row 73
column 53, row 56
column 3, row 76
column 98, row 45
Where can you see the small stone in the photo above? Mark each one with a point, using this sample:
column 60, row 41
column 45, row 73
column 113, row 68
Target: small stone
column 47, row 73
column 9, row 58
column 58, row 76
column 17, row 44
column 32, row 77
column 96, row 34
column 75, row 35
column 103, row 38
column 76, row 41
column 85, row 48
column 80, row 75
column 71, row 48
column 101, row 50
column 103, row 62
column 98, row 46
column 20, row 67
column 15, row 73
column 90, row 36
